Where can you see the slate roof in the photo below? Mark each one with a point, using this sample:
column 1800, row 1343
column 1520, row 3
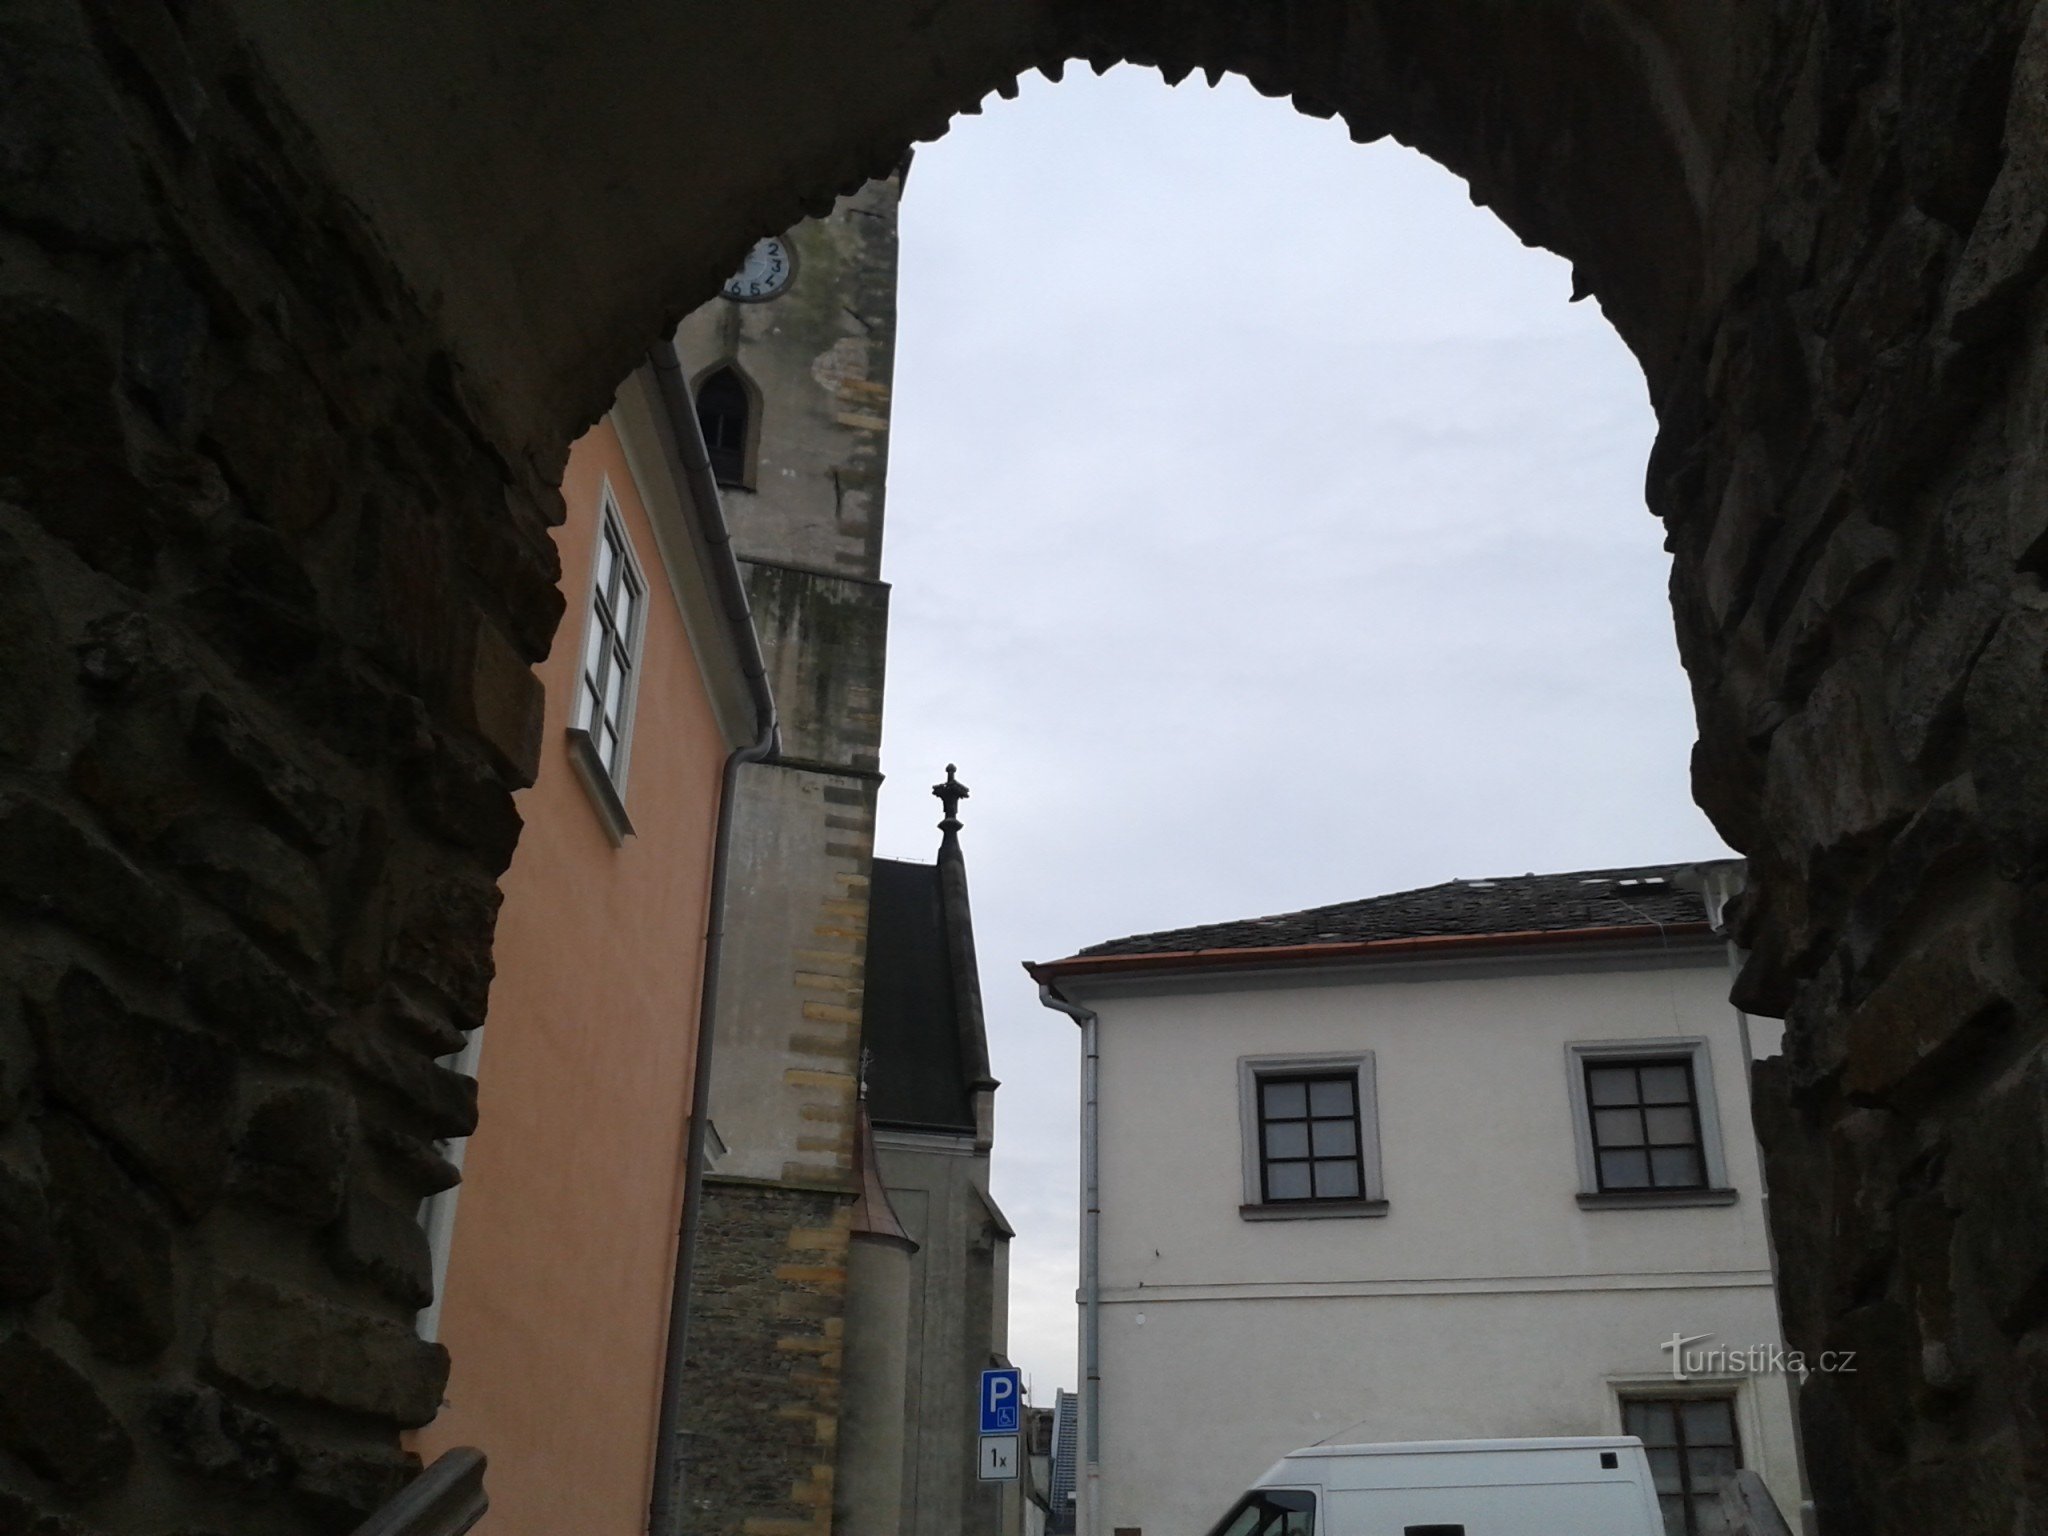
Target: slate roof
column 1065, row 1460
column 911, row 1028
column 1644, row 897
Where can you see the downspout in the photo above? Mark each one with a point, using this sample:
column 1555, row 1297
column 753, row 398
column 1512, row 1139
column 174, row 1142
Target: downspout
column 683, row 444
column 1090, row 1470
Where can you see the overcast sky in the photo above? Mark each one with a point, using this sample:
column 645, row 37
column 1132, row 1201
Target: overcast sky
column 1266, row 529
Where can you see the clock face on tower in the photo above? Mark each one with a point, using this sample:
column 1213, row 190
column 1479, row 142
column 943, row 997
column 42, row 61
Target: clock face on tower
column 765, row 274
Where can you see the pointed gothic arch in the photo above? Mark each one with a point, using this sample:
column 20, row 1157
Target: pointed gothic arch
column 729, row 414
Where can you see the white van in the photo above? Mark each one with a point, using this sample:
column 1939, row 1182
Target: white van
column 1578, row 1487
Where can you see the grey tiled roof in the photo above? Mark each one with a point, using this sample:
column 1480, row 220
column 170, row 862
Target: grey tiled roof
column 1645, row 897
column 1066, row 1426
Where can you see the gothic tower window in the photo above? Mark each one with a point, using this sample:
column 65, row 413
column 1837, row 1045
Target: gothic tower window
column 725, row 409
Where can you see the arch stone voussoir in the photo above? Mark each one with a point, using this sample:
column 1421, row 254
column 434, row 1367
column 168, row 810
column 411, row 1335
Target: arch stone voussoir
column 300, row 306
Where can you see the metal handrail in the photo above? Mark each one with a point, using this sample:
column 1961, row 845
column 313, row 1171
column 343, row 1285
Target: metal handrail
column 444, row 1500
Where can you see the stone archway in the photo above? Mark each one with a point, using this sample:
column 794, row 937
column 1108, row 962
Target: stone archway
column 299, row 306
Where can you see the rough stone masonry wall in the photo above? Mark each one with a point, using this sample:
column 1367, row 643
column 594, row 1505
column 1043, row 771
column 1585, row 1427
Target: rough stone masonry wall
column 766, row 1347
column 268, row 603
column 1853, row 473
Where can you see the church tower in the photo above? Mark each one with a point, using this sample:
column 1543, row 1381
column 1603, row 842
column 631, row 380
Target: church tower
column 791, row 376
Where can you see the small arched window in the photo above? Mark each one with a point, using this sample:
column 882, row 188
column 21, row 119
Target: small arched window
column 723, row 406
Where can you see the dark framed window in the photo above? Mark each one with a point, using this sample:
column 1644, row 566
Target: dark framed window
column 1645, row 1117
column 724, row 411
column 1309, row 1137
column 1693, row 1449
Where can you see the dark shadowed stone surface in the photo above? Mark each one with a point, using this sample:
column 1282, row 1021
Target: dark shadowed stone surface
column 27, row 633
column 274, row 1340
column 384, row 1244
column 442, row 1102
column 249, row 538
column 1937, row 1009
column 28, row 1241
column 54, row 1420
column 345, row 1484
column 259, row 764
column 2002, row 1205
column 49, row 864
column 217, row 1437
column 294, row 1150
column 162, row 1093
column 120, row 1279
column 22, row 1517
column 17, row 1060
column 256, row 876
column 238, row 991
column 2008, row 706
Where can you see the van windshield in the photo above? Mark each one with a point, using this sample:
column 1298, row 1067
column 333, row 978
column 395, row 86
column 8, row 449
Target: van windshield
column 1270, row 1512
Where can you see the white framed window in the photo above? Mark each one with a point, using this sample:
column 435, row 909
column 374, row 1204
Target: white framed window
column 1646, row 1127
column 1310, row 1132
column 601, row 728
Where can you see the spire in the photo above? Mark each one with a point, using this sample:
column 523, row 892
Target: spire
column 959, row 922
column 950, row 794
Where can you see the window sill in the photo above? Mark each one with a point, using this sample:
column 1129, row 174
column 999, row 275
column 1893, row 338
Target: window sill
column 604, row 795
column 1311, row 1210
column 1652, row 1199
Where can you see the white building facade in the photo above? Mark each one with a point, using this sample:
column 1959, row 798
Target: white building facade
column 1458, row 1163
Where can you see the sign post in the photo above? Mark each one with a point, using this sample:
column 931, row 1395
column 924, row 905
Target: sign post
column 1002, row 1425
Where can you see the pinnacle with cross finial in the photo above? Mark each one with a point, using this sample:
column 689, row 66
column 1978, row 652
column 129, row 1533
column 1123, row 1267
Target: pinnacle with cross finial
column 950, row 794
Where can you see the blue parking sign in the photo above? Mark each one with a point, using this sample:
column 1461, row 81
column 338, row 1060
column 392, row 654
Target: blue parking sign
column 1002, row 1401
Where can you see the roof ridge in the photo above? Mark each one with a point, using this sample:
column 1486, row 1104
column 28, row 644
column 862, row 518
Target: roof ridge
column 1457, row 905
